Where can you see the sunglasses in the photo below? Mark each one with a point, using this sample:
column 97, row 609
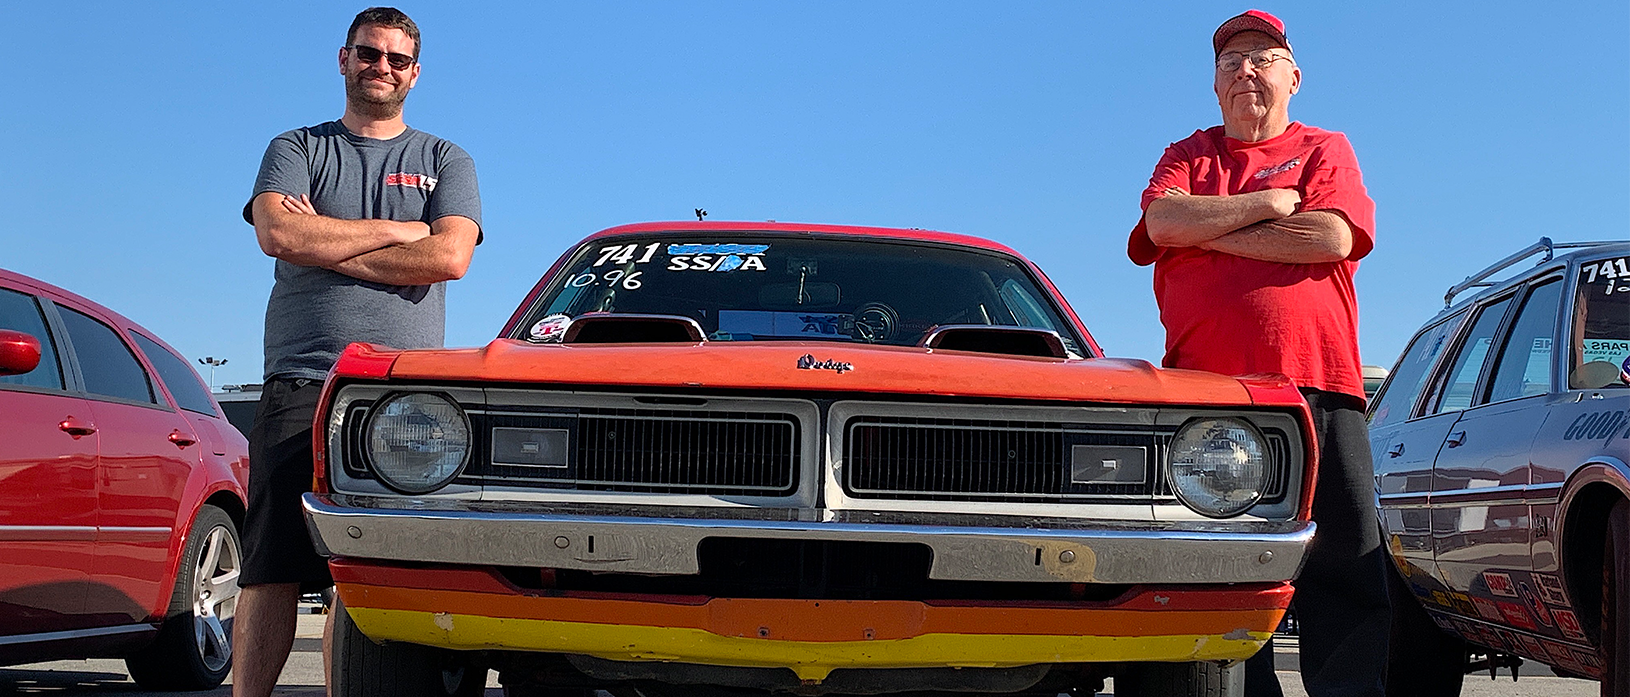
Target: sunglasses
column 368, row 55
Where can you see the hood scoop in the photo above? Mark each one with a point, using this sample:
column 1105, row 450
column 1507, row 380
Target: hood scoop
column 983, row 338
column 609, row 328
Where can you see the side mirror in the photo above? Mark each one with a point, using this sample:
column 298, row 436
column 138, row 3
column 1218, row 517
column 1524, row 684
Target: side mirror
column 19, row 352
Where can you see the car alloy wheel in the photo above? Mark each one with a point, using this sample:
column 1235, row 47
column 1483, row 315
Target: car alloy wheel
column 215, row 597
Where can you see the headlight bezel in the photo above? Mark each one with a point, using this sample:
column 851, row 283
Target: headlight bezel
column 1265, row 453
column 365, row 437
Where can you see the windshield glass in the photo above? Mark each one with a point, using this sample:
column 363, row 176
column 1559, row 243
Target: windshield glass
column 768, row 288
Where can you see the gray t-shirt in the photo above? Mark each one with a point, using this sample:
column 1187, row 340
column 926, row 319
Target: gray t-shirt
column 313, row 312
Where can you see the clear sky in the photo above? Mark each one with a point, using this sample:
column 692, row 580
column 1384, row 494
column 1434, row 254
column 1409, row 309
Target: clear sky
column 133, row 131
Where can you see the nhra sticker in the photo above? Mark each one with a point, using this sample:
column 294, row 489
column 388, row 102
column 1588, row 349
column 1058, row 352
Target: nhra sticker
column 550, row 329
column 717, row 258
column 1534, row 604
column 1568, row 624
column 1487, row 609
column 1550, row 588
column 1500, row 584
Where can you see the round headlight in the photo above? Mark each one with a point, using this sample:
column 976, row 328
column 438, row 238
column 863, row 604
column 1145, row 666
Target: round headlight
column 418, row 442
column 1218, row 467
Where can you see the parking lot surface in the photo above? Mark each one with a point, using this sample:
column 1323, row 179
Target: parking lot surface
column 303, row 676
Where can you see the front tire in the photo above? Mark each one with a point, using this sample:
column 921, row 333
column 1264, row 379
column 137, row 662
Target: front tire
column 1197, row 679
column 1616, row 601
column 363, row 668
column 193, row 650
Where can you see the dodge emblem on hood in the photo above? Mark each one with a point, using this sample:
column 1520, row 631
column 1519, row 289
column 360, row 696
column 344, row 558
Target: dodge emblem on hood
column 808, row 362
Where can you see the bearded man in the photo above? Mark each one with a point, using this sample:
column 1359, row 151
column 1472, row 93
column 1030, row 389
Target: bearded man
column 1255, row 228
column 367, row 218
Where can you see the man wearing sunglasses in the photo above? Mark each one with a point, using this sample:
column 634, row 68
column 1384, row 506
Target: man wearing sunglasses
column 367, row 219
column 1255, row 229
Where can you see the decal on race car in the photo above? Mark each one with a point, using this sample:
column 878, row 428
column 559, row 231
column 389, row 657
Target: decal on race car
column 1441, row 599
column 719, row 258
column 1516, row 615
column 1590, row 660
column 1614, row 274
column 624, row 253
column 1568, row 624
column 1443, row 623
column 823, row 325
column 1500, row 584
column 1487, row 609
column 550, row 329
column 1533, row 647
column 1535, row 605
column 1598, row 425
column 1463, row 603
column 1550, row 588
column 615, row 278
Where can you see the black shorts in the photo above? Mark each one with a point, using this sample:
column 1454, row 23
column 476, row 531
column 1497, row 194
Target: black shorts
column 276, row 545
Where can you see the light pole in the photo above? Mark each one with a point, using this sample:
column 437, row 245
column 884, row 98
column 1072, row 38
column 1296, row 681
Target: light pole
column 213, row 363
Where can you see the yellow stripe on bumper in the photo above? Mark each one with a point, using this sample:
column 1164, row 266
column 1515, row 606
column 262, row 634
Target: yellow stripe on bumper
column 809, row 659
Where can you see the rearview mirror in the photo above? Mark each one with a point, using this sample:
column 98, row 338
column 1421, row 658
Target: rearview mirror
column 19, row 352
column 784, row 296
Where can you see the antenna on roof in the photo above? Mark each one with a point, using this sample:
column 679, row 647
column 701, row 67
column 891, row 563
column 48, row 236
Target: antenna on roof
column 701, row 214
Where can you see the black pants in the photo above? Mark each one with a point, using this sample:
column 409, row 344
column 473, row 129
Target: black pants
column 276, row 546
column 1341, row 601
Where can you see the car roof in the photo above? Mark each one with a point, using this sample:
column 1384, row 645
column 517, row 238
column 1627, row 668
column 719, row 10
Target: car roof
column 772, row 226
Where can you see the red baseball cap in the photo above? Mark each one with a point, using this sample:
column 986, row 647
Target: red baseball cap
column 1250, row 20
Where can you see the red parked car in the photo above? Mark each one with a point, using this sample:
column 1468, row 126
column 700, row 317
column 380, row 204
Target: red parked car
column 121, row 494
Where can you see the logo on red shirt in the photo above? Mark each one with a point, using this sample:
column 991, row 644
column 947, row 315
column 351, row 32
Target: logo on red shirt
column 1277, row 169
column 423, row 182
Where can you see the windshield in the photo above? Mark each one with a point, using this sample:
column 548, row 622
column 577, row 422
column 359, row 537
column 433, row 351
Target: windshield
column 768, row 288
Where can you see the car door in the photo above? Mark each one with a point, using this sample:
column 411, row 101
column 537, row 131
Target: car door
column 1403, row 444
column 47, row 486
column 148, row 449
column 1482, row 475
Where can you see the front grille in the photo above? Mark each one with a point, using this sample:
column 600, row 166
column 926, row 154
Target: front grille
column 638, row 450
column 1011, row 461
column 961, row 459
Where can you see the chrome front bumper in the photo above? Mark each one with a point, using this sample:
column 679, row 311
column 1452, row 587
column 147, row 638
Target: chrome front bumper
column 653, row 540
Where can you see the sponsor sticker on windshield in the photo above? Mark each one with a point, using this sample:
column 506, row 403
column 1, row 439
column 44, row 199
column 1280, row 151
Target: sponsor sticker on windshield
column 812, row 325
column 550, row 329
column 717, row 258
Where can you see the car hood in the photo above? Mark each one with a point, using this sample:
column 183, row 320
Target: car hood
column 820, row 367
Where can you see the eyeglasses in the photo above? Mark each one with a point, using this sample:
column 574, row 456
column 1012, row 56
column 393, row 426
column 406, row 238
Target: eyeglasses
column 368, row 55
column 1260, row 59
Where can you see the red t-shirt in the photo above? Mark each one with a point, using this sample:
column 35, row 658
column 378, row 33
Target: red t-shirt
column 1237, row 316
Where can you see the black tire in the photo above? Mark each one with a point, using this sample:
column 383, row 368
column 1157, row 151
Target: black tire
column 1198, row 679
column 193, row 649
column 1616, row 602
column 363, row 668
column 1422, row 660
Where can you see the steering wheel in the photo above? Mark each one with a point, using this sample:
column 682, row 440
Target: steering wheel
column 875, row 322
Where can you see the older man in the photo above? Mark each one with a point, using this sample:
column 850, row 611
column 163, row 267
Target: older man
column 1255, row 228
column 367, row 219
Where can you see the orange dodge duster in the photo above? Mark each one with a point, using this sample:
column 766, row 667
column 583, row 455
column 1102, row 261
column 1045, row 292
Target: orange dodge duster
column 753, row 458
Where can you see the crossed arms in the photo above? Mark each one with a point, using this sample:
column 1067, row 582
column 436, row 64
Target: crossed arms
column 381, row 251
column 1261, row 225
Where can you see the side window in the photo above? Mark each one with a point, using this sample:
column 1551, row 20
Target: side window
column 1600, row 336
column 108, row 366
column 1524, row 366
column 21, row 313
column 188, row 390
column 1457, row 390
column 1410, row 375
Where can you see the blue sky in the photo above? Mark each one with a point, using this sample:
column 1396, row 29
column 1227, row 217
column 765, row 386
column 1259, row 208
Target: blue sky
column 134, row 130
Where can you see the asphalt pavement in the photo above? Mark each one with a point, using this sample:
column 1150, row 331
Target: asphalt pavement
column 303, row 676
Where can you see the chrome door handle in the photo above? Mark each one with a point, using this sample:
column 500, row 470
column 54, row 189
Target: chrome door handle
column 1396, row 451
column 180, row 439
column 76, row 428
column 1456, row 439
